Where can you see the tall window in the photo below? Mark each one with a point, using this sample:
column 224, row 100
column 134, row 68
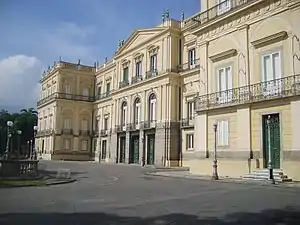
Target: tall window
column 67, row 144
column 67, row 123
column 189, row 142
column 137, row 111
column 49, row 91
column 125, row 74
column 224, row 6
column 99, row 92
column 152, row 108
column 192, row 57
column 105, row 123
column 153, row 63
column 85, row 93
column 107, row 89
column 124, row 114
column 50, row 123
column 84, row 145
column 138, row 69
column 54, row 88
column 224, row 84
column 271, row 71
column 84, row 124
column 222, row 133
column 190, row 110
column 68, row 90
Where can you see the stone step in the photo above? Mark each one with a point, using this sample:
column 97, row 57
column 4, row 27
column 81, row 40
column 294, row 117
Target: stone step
column 263, row 174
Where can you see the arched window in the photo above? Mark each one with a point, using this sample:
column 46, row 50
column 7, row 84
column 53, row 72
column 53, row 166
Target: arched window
column 68, row 89
column 124, row 114
column 152, row 108
column 137, row 111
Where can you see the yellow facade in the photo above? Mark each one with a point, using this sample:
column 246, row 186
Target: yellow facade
column 155, row 102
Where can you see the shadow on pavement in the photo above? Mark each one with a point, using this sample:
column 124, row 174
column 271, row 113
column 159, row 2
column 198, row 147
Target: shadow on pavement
column 285, row 216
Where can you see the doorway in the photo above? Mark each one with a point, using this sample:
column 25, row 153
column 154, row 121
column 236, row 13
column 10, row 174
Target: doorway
column 122, row 149
column 43, row 146
column 271, row 139
column 103, row 152
column 134, row 150
column 150, row 149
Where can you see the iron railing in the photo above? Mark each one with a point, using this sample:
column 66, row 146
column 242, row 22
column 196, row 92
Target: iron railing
column 187, row 122
column 123, row 83
column 105, row 132
column 149, row 124
column 274, row 89
column 136, row 79
column 67, row 131
column 134, row 126
column 67, row 96
column 214, row 12
column 189, row 65
column 151, row 73
column 102, row 96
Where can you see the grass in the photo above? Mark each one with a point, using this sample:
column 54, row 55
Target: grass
column 21, row 183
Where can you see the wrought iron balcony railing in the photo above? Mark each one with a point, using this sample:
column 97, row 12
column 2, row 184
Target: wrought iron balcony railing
column 218, row 10
column 67, row 96
column 151, row 73
column 136, row 79
column 105, row 132
column 102, row 96
column 187, row 122
column 67, row 131
column 95, row 133
column 134, row 126
column 123, row 83
column 189, row 65
column 274, row 89
column 121, row 128
column 150, row 124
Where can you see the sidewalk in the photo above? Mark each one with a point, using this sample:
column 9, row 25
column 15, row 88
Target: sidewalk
column 188, row 175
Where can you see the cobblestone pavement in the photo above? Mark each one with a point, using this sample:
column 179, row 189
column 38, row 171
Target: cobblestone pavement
column 123, row 194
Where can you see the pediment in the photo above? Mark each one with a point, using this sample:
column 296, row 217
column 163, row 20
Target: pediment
column 139, row 37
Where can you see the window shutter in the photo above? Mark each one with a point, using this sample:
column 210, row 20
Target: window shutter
column 277, row 66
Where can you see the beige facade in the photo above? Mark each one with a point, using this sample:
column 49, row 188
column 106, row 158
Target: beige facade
column 155, row 102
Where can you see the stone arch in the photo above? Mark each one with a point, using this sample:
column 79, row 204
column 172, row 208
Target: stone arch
column 270, row 26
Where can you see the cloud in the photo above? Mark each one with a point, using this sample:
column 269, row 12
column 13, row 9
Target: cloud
column 19, row 76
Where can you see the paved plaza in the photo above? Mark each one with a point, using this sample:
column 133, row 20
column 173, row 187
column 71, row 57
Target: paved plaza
column 123, row 194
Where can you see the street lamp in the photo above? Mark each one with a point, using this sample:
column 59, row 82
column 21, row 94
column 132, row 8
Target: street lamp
column 9, row 125
column 19, row 132
column 215, row 165
column 270, row 166
column 35, row 128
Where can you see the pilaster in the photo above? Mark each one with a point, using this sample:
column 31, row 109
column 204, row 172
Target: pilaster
column 127, row 143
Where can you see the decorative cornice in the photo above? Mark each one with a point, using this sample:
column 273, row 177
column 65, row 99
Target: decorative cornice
column 223, row 55
column 108, row 79
column 125, row 62
column 138, row 56
column 152, row 49
column 270, row 39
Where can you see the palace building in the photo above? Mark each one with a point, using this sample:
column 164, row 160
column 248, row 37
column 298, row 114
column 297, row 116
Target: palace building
column 235, row 65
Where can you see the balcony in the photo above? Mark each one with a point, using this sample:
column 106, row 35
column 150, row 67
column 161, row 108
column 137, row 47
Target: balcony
column 67, row 131
column 187, row 122
column 136, row 79
column 151, row 73
column 84, row 132
column 121, row 128
column 65, row 96
column 134, row 126
column 95, row 133
column 123, row 83
column 189, row 65
column 150, row 124
column 104, row 132
column 270, row 90
column 102, row 96
column 215, row 12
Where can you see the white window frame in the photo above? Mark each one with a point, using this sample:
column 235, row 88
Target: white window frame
column 223, row 133
column 67, row 144
column 153, row 63
column 137, row 114
column 273, row 84
column 190, row 142
column 124, row 117
column 84, row 145
column 105, row 123
column 152, row 105
column 68, row 90
column 67, row 123
column 138, row 69
column 225, row 94
column 192, row 58
column 224, row 6
column 190, row 112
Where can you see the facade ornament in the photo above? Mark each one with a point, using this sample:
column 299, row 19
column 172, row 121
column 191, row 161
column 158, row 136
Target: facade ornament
column 182, row 16
column 59, row 58
column 163, row 16
column 167, row 14
column 49, row 68
column 78, row 63
column 106, row 60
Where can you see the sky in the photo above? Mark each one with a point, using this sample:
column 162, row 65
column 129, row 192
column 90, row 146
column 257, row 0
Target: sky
column 35, row 33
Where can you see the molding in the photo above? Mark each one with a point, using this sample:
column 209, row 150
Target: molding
column 152, row 49
column 223, row 55
column 270, row 39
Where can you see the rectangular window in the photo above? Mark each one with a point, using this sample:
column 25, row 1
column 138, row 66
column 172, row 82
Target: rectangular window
column 107, row 89
column 84, row 125
column 223, row 6
column 137, row 113
column 222, row 133
column 190, row 110
column 138, row 68
column 99, row 92
column 67, row 123
column 153, row 63
column 84, row 145
column 68, row 90
column 49, row 91
column 97, row 125
column 125, row 74
column 106, row 123
column 190, row 142
column 224, row 84
column 192, row 57
column 67, row 144
column 50, row 123
column 124, row 110
column 152, row 110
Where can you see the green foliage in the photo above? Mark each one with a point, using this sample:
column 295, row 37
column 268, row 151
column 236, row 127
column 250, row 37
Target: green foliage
column 24, row 121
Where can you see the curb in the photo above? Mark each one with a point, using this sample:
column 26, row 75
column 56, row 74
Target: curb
column 255, row 183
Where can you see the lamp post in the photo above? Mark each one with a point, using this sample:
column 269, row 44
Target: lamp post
column 270, row 164
column 35, row 128
column 215, row 165
column 19, row 132
column 9, row 125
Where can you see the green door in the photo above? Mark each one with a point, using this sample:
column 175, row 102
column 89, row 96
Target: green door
column 134, row 150
column 271, row 137
column 151, row 149
column 122, row 149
